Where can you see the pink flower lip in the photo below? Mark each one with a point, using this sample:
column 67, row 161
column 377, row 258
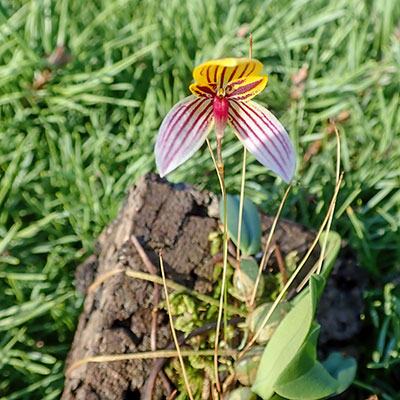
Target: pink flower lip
column 220, row 111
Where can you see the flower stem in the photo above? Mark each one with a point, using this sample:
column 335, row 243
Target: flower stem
column 241, row 204
column 240, row 276
column 219, row 166
column 250, row 45
column 171, row 321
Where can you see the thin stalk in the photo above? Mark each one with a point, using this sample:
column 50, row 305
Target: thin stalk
column 182, row 338
column 104, row 277
column 152, row 270
column 171, row 321
column 242, row 184
column 184, row 289
column 295, row 273
column 171, row 284
column 145, row 355
column 219, row 167
column 241, row 206
column 267, row 247
column 318, row 266
column 240, row 224
column 328, row 228
column 242, row 197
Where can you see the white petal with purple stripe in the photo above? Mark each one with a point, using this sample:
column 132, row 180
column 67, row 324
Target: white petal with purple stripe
column 182, row 132
column 264, row 136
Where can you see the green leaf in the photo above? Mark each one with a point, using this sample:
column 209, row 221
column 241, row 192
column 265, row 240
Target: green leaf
column 343, row 368
column 333, row 246
column 303, row 360
column 287, row 339
column 304, row 377
column 316, row 383
column 250, row 239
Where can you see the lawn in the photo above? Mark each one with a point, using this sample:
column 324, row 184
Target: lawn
column 83, row 90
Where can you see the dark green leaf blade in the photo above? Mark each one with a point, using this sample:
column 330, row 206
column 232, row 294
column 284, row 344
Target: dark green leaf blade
column 343, row 368
column 316, row 383
column 250, row 239
column 304, row 377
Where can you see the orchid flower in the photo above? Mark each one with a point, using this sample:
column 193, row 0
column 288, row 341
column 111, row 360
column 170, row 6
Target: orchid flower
column 222, row 95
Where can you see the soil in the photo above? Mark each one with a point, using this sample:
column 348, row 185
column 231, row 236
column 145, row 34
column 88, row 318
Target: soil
column 117, row 315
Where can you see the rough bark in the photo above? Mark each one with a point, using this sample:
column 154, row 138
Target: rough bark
column 117, row 315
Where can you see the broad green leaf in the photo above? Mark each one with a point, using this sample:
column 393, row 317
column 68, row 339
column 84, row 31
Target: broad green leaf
column 287, row 340
column 303, row 360
column 316, row 383
column 250, row 239
column 333, row 246
column 343, row 368
column 304, row 377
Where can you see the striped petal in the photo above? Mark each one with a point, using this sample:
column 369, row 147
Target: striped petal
column 182, row 132
column 221, row 72
column 203, row 90
column 264, row 136
column 246, row 88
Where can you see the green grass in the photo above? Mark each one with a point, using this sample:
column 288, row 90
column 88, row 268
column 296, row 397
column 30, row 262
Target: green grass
column 70, row 150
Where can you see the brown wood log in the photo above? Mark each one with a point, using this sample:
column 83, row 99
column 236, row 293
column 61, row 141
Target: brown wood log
column 117, row 315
